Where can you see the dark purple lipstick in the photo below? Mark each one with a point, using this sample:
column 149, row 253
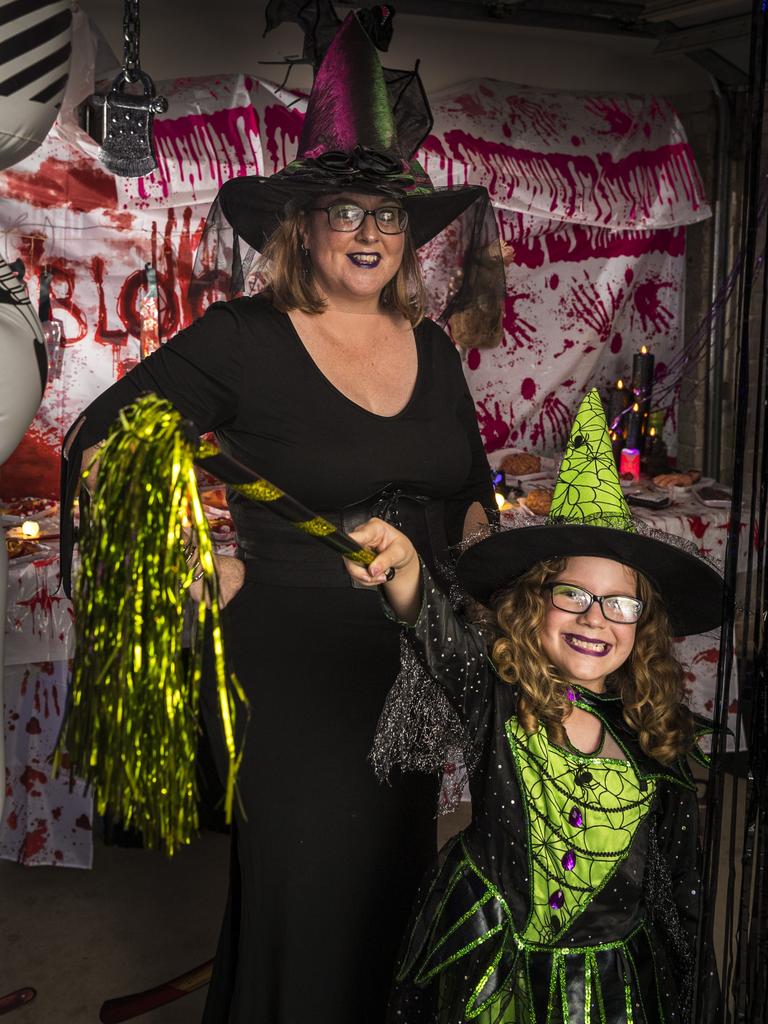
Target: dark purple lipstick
column 366, row 260
column 587, row 645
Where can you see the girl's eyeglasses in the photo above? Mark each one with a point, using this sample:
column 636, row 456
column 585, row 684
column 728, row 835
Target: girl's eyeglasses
column 576, row 600
column 390, row 220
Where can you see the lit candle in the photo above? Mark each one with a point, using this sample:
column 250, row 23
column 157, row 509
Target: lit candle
column 502, row 502
column 655, row 454
column 642, row 384
column 656, row 420
column 30, row 528
column 642, row 371
column 618, row 400
column 634, row 419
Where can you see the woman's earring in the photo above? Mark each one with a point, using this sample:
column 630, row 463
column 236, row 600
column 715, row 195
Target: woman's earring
column 305, row 259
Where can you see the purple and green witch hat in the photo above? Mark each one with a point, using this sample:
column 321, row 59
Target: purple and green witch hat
column 353, row 139
column 589, row 515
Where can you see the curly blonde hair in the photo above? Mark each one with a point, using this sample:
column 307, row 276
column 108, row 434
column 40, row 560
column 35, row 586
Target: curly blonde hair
column 286, row 273
column 649, row 682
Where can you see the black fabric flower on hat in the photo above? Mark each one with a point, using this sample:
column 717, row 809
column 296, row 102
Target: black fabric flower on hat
column 338, row 166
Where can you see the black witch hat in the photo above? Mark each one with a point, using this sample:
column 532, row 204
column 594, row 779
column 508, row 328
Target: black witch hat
column 590, row 516
column 361, row 128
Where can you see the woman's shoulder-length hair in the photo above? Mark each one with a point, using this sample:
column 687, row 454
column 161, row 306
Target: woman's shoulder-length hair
column 287, row 275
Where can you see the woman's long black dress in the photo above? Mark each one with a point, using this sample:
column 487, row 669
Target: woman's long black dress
column 326, row 861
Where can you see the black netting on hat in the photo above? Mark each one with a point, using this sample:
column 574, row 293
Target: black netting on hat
column 316, row 18
column 410, row 107
column 460, row 256
column 464, row 273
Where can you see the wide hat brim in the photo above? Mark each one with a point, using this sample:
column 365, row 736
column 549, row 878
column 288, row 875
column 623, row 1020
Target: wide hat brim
column 254, row 205
column 692, row 589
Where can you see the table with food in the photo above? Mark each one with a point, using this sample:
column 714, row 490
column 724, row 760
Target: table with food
column 49, row 821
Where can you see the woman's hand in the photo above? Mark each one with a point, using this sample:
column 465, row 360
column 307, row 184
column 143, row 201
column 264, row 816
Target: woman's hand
column 396, row 569
column 231, row 575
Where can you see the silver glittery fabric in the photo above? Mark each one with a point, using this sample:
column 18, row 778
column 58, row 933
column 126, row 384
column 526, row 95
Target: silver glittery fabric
column 663, row 911
column 419, row 730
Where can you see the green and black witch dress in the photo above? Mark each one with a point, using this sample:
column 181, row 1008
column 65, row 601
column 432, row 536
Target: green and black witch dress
column 572, row 897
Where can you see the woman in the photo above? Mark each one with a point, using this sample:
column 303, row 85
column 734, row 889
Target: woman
column 331, row 383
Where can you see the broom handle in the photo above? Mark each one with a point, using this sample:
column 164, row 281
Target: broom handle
column 243, row 479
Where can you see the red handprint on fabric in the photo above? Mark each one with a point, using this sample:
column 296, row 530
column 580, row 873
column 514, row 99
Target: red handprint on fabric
column 540, row 118
column 493, row 426
column 553, row 424
column 654, row 315
column 618, row 121
column 597, row 309
column 519, row 330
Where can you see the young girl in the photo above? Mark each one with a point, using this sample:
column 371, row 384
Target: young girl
column 572, row 897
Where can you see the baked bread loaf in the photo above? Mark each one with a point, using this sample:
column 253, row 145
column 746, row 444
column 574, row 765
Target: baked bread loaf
column 677, row 479
column 539, row 501
column 520, row 464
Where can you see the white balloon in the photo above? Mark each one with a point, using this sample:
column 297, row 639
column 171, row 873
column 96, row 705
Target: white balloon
column 36, row 48
column 22, row 380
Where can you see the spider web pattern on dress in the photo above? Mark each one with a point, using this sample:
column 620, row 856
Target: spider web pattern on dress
column 583, row 813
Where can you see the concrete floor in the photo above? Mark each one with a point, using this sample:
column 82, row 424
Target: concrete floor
column 136, row 920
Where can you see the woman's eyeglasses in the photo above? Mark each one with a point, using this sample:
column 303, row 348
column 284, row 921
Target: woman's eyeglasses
column 576, row 600
column 390, row 220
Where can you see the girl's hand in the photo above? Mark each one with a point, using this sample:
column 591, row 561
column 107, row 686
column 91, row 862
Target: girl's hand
column 396, row 569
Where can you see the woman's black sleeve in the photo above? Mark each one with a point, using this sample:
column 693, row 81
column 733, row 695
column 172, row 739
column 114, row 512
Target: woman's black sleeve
column 199, row 371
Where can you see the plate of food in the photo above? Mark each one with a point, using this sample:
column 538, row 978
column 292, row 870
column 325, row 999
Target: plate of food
column 22, row 550
column 681, row 480
column 518, row 465
column 221, row 525
column 712, row 494
column 14, row 511
column 537, row 501
column 215, row 500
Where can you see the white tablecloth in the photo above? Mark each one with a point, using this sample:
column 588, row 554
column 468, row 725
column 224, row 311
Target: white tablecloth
column 44, row 821
column 707, row 528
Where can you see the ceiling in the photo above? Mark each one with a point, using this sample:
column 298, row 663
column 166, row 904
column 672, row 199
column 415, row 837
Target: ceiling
column 712, row 33
column 643, row 46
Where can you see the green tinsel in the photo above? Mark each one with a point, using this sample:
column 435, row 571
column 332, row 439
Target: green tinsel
column 131, row 729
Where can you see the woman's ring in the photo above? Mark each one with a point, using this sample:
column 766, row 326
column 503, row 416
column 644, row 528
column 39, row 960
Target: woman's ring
column 389, row 575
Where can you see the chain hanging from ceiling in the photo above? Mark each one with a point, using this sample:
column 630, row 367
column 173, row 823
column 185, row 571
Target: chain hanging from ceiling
column 120, row 120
